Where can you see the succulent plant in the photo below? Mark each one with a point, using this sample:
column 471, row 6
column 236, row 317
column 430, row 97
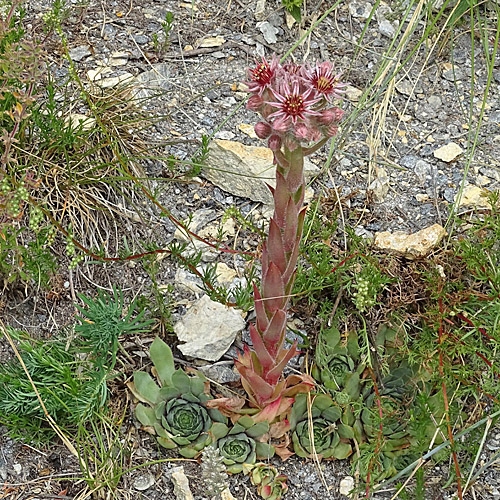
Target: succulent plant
column 213, row 471
column 337, row 365
column 175, row 411
column 320, row 430
column 241, row 445
column 270, row 484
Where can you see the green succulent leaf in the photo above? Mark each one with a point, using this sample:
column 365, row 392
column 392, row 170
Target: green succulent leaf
column 342, row 451
column 185, row 420
column 237, row 449
column 166, row 443
column 145, row 415
column 181, row 381
column 264, row 451
column 146, row 387
column 219, row 430
column 258, row 430
column 162, row 358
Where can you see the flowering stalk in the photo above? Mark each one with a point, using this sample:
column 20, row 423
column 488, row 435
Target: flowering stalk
column 297, row 119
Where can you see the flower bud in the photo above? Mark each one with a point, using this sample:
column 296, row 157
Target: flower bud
column 263, row 130
column 314, row 134
column 274, row 142
column 327, row 116
column 281, row 125
column 338, row 114
column 301, row 131
column 255, row 103
column 332, row 130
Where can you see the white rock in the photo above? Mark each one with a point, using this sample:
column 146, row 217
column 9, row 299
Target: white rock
column 346, row 485
column 410, row 246
column 107, row 83
column 269, row 31
column 78, row 53
column 77, row 119
column 473, row 196
column 248, row 130
column 96, row 74
column 380, row 186
column 360, row 9
column 225, row 275
column 208, row 329
column 244, row 170
column 388, row 28
column 181, row 484
column 188, row 282
column 448, row 152
column 353, row 93
column 212, row 41
column 227, row 495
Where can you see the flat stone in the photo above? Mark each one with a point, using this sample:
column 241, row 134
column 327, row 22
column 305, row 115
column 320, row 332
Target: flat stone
column 208, row 329
column 448, row 152
column 212, row 41
column 143, row 482
column 268, row 31
column 248, row 130
column 225, row 275
column 107, row 83
column 77, row 119
column 411, row 246
column 96, row 74
column 153, row 81
column 181, row 484
column 473, row 196
column 353, row 93
column 244, row 170
column 78, row 53
column 220, row 373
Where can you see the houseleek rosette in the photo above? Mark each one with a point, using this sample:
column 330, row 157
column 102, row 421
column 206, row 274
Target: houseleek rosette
column 175, row 410
column 270, row 484
column 242, row 445
column 329, row 436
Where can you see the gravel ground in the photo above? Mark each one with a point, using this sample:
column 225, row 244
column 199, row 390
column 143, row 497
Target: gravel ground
column 200, row 76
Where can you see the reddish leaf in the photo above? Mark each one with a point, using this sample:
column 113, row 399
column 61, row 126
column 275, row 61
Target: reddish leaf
column 274, row 247
column 291, row 225
column 273, row 289
column 279, row 429
column 275, row 409
column 285, row 356
column 259, row 387
column 274, row 335
column 261, row 351
column 295, row 173
column 262, row 320
column 281, row 197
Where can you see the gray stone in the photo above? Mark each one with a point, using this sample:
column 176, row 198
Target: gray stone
column 260, row 10
column 360, row 9
column 244, row 170
column 153, row 82
column 143, row 482
column 422, row 170
column 388, row 28
column 408, row 161
column 208, row 329
column 268, row 31
column 380, row 186
column 222, row 372
column 78, row 53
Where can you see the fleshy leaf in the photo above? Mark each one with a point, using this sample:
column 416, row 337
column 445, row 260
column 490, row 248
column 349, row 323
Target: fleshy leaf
column 219, row 430
column 145, row 415
column 273, row 289
column 322, row 402
column 275, row 332
column 264, row 451
column 275, row 246
column 146, row 387
column 258, row 430
column 281, row 197
column 291, row 225
column 342, row 451
column 260, row 313
column 260, row 349
column 161, row 356
column 166, row 443
column 181, row 381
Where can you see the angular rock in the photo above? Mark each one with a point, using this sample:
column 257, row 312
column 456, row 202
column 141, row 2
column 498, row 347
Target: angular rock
column 213, row 41
column 269, row 31
column 244, row 170
column 388, row 28
column 448, row 152
column 181, row 484
column 78, row 53
column 153, row 82
column 248, row 130
column 346, row 486
column 353, row 93
column 473, row 196
column 208, row 329
column 220, row 372
column 260, row 10
column 411, row 246
column 115, row 81
column 380, row 186
column 360, row 9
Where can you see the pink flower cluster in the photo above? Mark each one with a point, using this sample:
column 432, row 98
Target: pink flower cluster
column 295, row 102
